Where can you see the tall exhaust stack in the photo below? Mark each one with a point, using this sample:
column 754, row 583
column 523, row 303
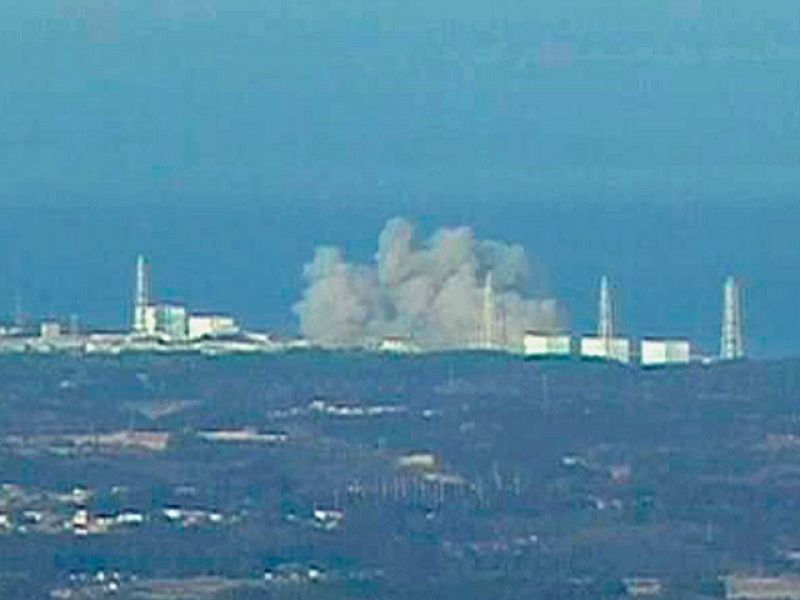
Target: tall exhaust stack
column 142, row 294
column 732, row 342
column 489, row 312
column 605, row 317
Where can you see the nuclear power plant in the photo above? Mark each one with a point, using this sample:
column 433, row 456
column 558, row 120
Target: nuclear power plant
column 171, row 321
column 161, row 326
column 608, row 345
column 156, row 326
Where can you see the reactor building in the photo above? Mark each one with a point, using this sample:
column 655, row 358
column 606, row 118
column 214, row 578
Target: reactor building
column 172, row 322
column 172, row 327
column 659, row 352
column 606, row 344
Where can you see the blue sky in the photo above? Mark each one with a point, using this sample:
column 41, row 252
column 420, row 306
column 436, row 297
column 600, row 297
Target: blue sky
column 256, row 98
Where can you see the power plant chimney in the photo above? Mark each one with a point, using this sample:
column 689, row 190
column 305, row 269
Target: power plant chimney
column 142, row 294
column 732, row 342
column 605, row 317
column 19, row 316
column 489, row 313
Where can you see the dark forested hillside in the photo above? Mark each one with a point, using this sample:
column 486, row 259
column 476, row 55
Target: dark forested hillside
column 324, row 475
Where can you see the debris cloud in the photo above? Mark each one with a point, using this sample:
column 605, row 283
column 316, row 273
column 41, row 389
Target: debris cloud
column 431, row 293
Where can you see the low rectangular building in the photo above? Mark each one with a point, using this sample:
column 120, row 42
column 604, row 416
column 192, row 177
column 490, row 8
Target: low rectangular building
column 204, row 326
column 642, row 587
column 600, row 348
column 398, row 345
column 171, row 320
column 665, row 352
column 739, row 587
column 49, row 330
column 546, row 345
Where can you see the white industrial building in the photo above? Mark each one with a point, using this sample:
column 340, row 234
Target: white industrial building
column 742, row 587
column 398, row 345
column 658, row 352
column 49, row 330
column 148, row 320
column 546, row 345
column 606, row 344
column 606, row 348
column 172, row 322
column 209, row 326
column 169, row 320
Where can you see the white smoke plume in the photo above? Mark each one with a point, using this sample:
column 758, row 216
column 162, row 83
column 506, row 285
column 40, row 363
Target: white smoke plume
column 430, row 292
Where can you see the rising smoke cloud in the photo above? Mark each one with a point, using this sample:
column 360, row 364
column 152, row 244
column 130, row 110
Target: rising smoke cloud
column 430, row 292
